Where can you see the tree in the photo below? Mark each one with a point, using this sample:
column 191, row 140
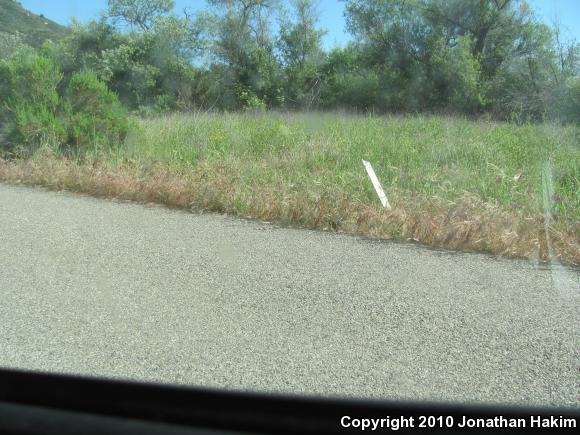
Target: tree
column 252, row 15
column 455, row 77
column 139, row 13
column 493, row 26
column 395, row 41
column 238, row 38
column 460, row 55
column 150, row 68
column 532, row 85
column 300, row 44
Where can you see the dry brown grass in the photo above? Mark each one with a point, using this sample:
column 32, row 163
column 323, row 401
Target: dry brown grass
column 468, row 224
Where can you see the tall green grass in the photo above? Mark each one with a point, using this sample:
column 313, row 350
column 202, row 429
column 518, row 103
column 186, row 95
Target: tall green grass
column 453, row 183
column 320, row 154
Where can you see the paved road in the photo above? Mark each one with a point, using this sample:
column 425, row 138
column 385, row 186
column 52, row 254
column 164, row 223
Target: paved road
column 129, row 291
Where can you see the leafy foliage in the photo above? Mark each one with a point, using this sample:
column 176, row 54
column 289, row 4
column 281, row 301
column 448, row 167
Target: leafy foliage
column 10, row 43
column 139, row 13
column 300, row 44
column 95, row 115
column 29, row 114
column 458, row 56
column 35, row 114
column 569, row 102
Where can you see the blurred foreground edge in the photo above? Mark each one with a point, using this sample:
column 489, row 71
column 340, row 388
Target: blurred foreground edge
column 40, row 403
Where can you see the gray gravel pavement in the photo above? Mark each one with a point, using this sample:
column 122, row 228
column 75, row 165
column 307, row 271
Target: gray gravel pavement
column 122, row 290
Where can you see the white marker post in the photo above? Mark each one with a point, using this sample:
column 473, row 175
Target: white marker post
column 377, row 185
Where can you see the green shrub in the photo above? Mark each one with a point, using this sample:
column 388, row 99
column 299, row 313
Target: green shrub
column 29, row 114
column 250, row 101
column 95, row 116
column 33, row 113
column 9, row 44
column 37, row 125
column 569, row 110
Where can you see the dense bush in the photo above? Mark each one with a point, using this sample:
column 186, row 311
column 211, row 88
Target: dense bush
column 569, row 107
column 30, row 113
column 9, row 44
column 95, row 115
column 34, row 113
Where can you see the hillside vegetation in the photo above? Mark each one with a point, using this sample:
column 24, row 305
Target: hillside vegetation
column 33, row 28
column 464, row 57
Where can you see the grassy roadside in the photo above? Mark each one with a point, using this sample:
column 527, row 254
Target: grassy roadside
column 453, row 183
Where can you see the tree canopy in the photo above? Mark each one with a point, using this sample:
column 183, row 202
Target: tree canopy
column 457, row 56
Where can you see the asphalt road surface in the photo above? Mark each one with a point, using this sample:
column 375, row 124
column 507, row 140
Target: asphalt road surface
column 123, row 290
